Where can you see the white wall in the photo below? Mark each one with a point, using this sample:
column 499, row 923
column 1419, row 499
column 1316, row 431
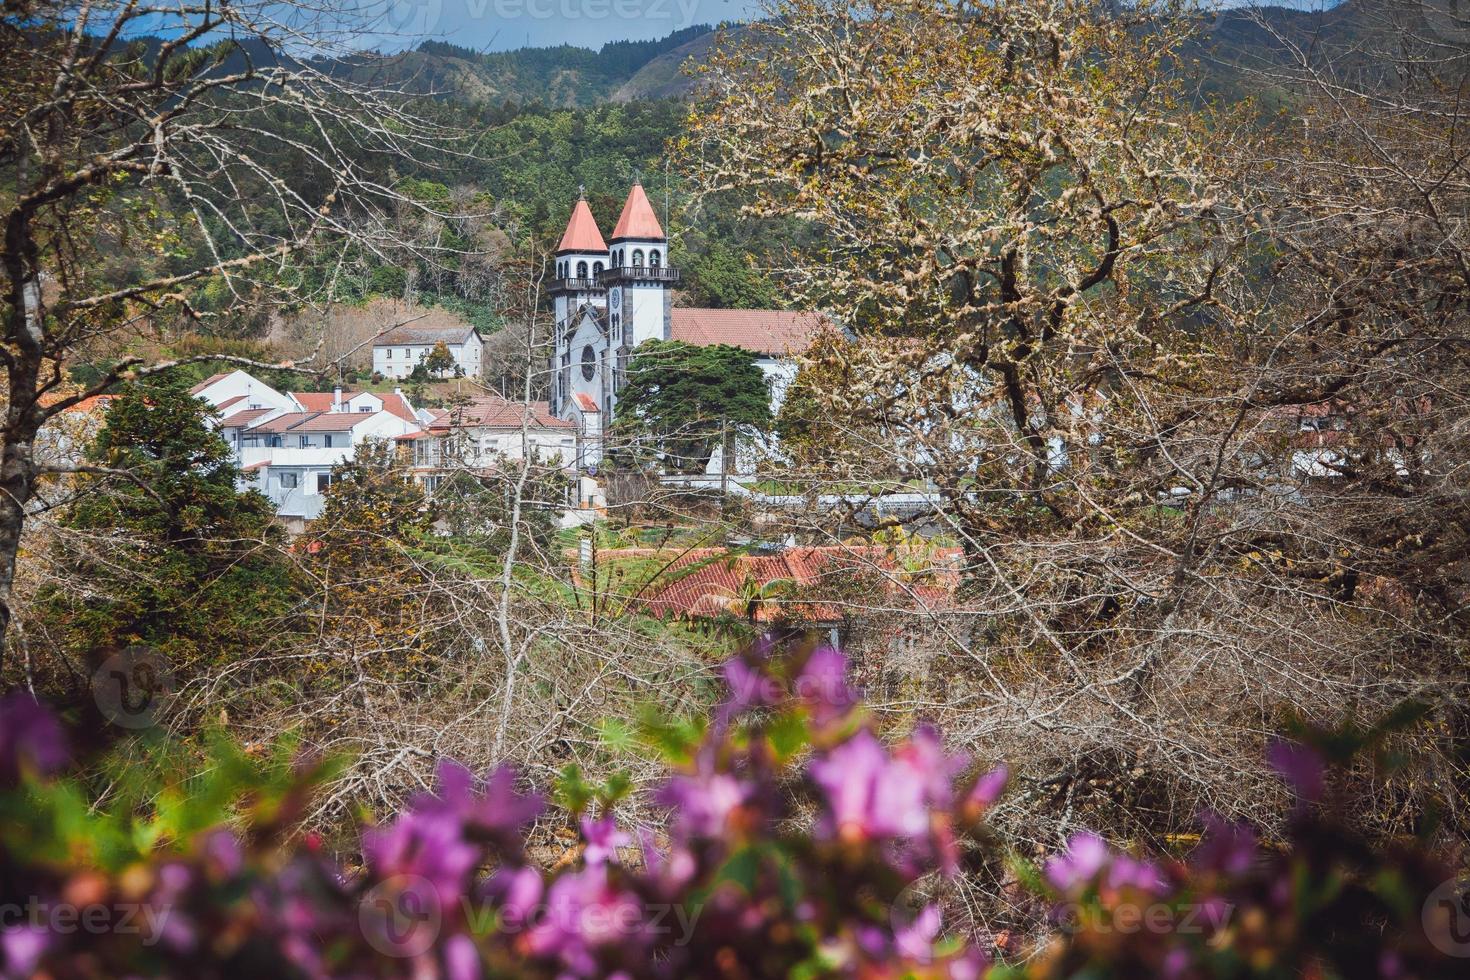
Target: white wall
column 399, row 360
column 257, row 393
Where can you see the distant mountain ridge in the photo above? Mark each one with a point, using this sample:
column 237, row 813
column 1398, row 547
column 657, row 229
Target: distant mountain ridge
column 624, row 71
column 562, row 76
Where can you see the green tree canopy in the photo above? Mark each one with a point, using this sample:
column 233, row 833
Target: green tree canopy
column 439, row 362
column 681, row 400
column 173, row 554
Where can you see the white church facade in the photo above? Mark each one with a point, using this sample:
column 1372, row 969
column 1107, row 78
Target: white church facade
column 611, row 296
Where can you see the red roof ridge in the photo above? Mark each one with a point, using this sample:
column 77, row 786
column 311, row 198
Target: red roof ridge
column 637, row 219
column 582, row 234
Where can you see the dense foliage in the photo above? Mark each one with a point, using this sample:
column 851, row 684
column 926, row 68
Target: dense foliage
column 682, row 402
column 160, row 546
column 796, row 844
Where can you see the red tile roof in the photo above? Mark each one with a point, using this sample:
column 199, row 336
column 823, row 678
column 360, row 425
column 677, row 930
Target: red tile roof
column 582, row 234
column 585, row 402
column 707, row 582
column 245, row 417
column 637, row 219
column 494, row 412
column 317, row 401
column 228, row 402
column 777, row 332
column 331, row 421
column 397, row 403
column 93, row 403
column 207, row 382
column 282, row 422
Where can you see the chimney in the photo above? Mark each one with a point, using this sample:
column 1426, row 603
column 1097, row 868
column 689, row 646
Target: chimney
column 337, row 398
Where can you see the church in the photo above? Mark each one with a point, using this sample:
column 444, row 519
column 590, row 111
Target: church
column 610, row 296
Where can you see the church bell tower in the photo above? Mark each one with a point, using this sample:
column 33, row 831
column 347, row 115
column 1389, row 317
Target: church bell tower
column 639, row 278
column 581, row 261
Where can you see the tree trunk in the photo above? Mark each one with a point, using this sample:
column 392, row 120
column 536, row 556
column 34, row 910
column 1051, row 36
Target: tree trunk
column 17, row 481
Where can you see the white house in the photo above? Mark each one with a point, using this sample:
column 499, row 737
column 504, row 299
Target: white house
column 610, row 297
column 398, row 351
column 236, row 391
column 486, row 432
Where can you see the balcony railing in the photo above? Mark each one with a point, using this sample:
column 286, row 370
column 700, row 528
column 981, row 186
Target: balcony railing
column 654, row 273
column 573, row 285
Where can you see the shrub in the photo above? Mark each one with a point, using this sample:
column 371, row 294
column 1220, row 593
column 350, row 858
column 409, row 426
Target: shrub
column 794, row 845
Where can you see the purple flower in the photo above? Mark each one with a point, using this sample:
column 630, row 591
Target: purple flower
column 461, row 958
column 1300, row 766
column 22, row 946
column 822, row 683
column 31, row 739
column 516, row 892
column 915, row 941
column 1129, row 872
column 704, row 802
column 1086, row 855
column 585, row 914
column 986, row 791
column 1229, row 848
column 424, row 845
column 223, row 857
column 870, row 795
column 603, row 840
column 495, row 806
column 750, row 686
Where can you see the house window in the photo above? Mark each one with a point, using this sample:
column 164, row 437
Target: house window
column 405, row 352
column 637, row 257
column 304, row 442
column 388, row 353
column 653, row 258
column 327, row 440
column 290, row 481
column 589, row 363
column 364, row 408
column 596, row 268
column 276, row 442
column 323, row 482
column 581, row 270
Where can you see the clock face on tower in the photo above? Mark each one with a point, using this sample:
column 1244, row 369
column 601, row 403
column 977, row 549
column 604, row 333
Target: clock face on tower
column 615, row 296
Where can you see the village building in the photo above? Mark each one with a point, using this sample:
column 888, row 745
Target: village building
column 485, row 433
column 611, row 296
column 397, row 352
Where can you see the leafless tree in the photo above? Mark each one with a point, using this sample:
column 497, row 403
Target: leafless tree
column 162, row 155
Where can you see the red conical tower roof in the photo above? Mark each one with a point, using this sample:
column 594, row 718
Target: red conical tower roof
column 637, row 219
column 582, row 234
